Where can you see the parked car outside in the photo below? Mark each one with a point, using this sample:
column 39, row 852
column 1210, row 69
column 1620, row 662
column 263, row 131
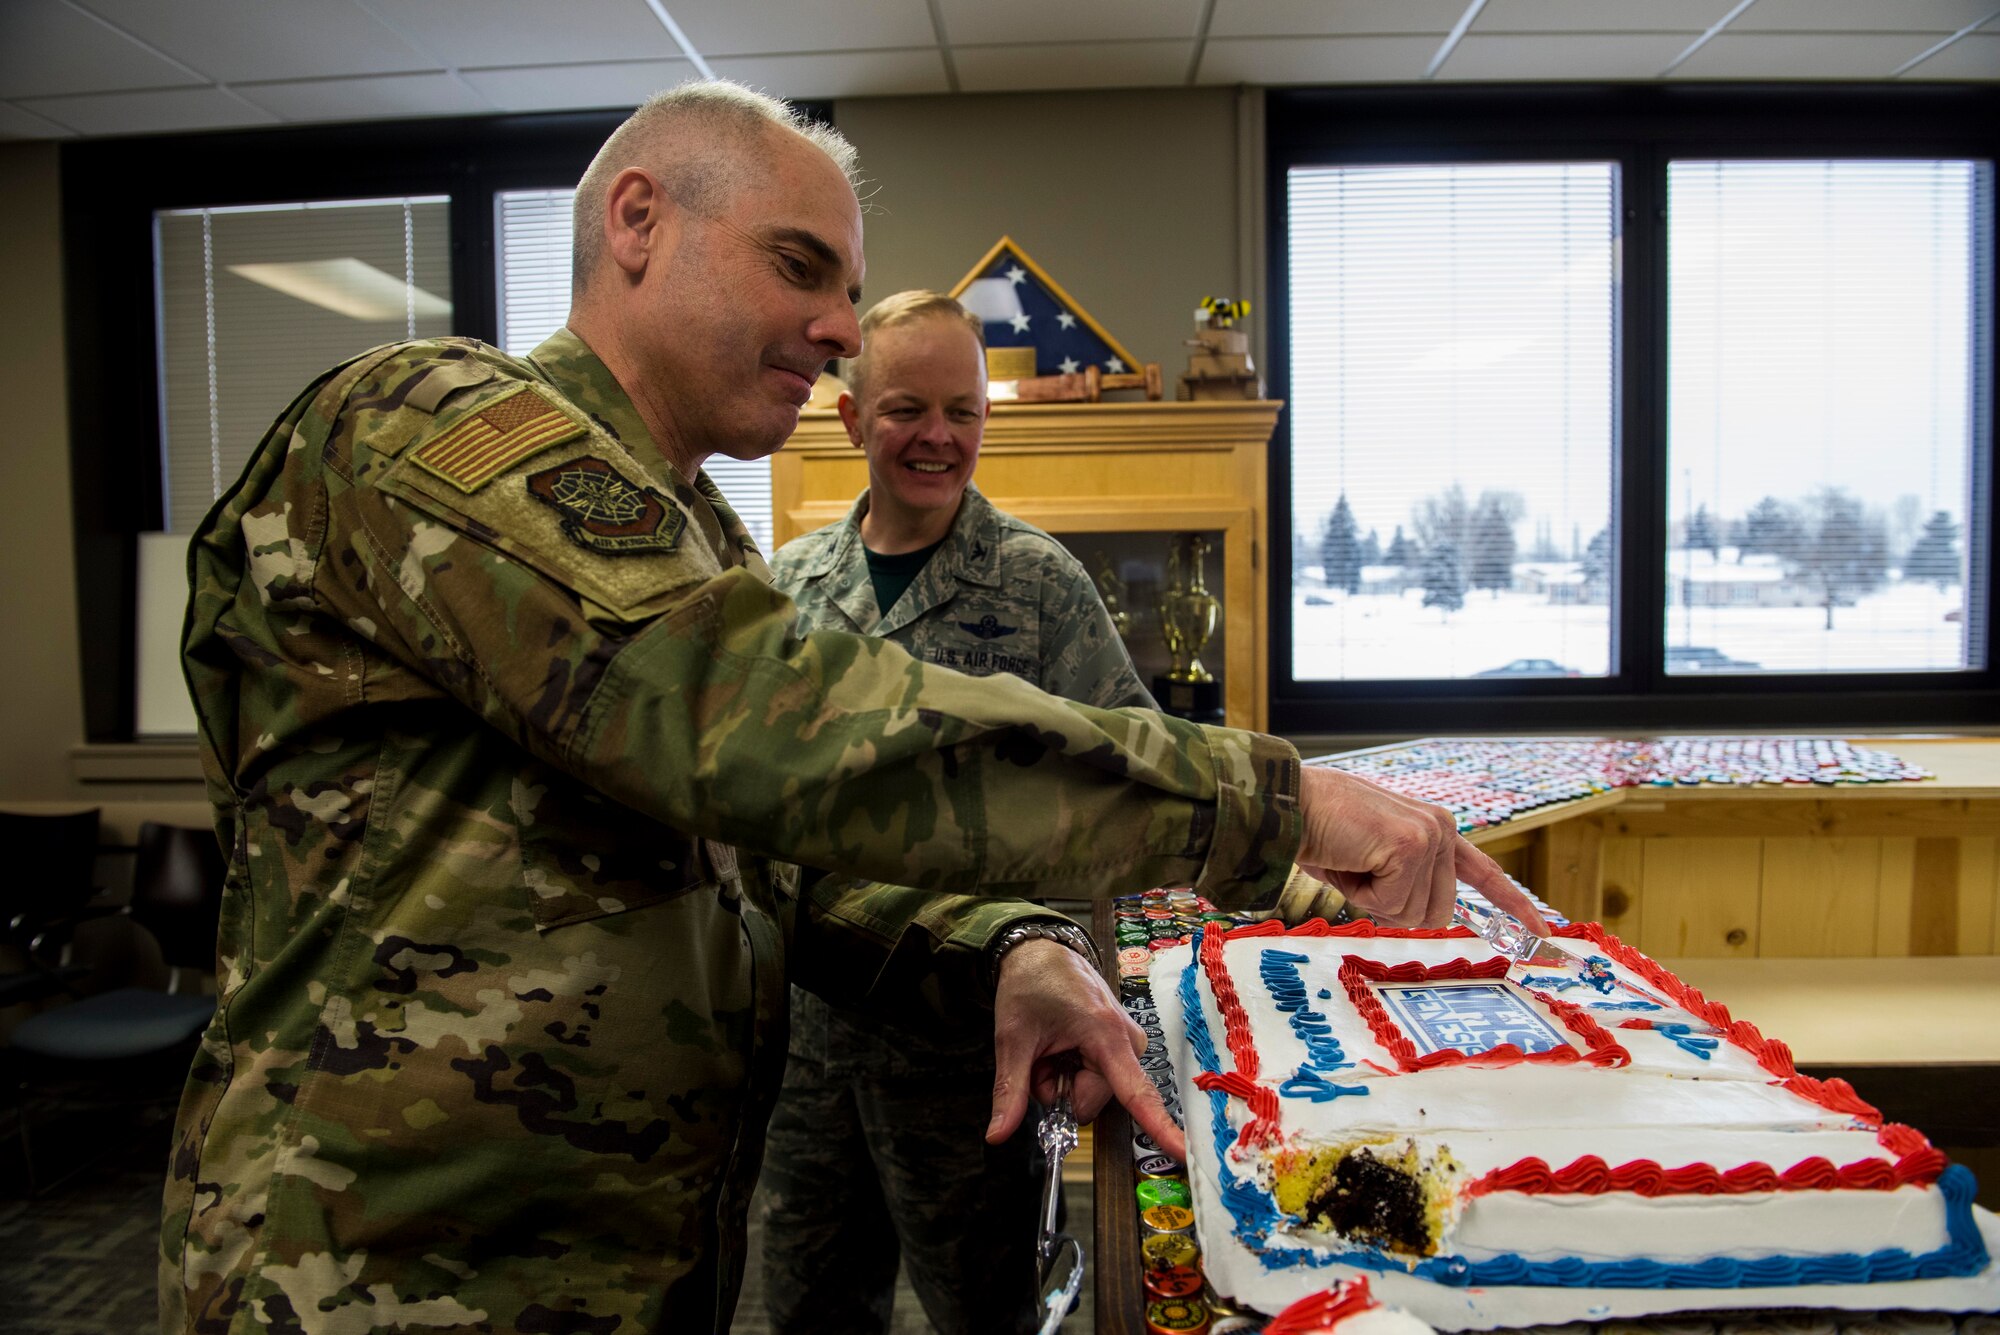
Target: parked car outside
column 1530, row 667
column 1705, row 658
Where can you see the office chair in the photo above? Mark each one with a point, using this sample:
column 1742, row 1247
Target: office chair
column 46, row 892
column 126, row 1033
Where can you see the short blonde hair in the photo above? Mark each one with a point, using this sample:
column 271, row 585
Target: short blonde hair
column 901, row 308
column 700, row 139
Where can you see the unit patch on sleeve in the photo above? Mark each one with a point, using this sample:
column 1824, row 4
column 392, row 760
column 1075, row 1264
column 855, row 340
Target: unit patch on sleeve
column 482, row 445
column 603, row 510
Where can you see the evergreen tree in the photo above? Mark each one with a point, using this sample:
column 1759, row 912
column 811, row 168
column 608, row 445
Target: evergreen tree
column 1444, row 579
column 1371, row 549
column 1402, row 552
column 1490, row 554
column 1934, row 555
column 1701, row 532
column 1597, row 567
column 1770, row 527
column 1340, row 550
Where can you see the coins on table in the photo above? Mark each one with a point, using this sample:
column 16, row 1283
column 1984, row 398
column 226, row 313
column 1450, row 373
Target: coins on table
column 1174, row 1284
column 1174, row 1281
column 1176, row 1316
column 1488, row 781
column 1164, row 1250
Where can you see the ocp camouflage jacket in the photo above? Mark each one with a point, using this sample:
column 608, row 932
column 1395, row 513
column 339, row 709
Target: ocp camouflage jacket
column 505, row 730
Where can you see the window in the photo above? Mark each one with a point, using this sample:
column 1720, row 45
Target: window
column 1827, row 389
column 533, row 273
column 1463, row 315
column 255, row 301
column 1660, row 406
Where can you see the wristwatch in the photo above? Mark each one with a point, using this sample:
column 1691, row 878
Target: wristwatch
column 1043, row 929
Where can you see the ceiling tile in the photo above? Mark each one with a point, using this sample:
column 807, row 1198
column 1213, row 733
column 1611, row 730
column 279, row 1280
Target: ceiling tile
column 1581, row 16
column 1277, row 60
column 245, row 40
column 1938, row 16
column 1972, row 57
column 529, row 32
column 1277, row 18
column 157, row 111
column 1588, row 55
column 803, row 25
column 20, row 123
column 48, row 49
column 624, row 83
column 838, row 73
column 1023, row 22
column 378, row 97
column 1000, row 69
column 1734, row 55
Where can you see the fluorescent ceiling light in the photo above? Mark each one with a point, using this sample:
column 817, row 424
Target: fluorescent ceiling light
column 346, row 287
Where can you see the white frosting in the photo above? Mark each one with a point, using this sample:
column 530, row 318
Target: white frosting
column 1668, row 1106
column 1382, row 1321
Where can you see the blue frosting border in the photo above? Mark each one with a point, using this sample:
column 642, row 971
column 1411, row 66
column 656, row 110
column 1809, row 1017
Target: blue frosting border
column 1256, row 1216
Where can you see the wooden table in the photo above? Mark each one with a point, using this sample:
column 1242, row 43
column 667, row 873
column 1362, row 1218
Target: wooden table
column 1778, row 871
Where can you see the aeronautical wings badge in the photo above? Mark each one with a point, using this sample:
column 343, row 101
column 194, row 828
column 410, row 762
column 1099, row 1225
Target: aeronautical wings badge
column 604, row 511
column 987, row 627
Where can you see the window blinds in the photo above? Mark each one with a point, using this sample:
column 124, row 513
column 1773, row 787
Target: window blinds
column 1453, row 338
column 1829, row 409
column 254, row 302
column 534, row 276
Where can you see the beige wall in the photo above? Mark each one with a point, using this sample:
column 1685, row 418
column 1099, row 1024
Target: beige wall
column 41, row 720
column 1127, row 199
column 43, row 714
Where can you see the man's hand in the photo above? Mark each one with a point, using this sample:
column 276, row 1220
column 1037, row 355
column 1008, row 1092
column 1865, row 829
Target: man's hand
column 1050, row 1000
column 1399, row 859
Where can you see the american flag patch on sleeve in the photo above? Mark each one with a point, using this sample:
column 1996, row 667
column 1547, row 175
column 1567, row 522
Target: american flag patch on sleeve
column 482, row 445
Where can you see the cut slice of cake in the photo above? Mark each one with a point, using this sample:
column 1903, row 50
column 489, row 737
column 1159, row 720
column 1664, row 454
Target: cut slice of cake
column 1496, row 1143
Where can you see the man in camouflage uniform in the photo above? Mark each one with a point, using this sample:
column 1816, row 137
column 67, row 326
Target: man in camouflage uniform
column 877, row 1145
column 504, row 726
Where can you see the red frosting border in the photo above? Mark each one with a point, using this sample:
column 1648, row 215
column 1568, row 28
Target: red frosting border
column 1917, row 1162
column 1769, row 1053
column 1325, row 1310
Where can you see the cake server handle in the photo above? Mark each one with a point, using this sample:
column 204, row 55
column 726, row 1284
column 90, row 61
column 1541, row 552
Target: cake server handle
column 1058, row 1136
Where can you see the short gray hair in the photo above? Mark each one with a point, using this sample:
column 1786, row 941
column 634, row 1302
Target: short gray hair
column 696, row 138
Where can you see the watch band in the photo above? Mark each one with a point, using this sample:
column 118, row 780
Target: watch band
column 1039, row 929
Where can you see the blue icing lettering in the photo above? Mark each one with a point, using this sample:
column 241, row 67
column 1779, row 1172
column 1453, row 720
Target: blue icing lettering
column 1686, row 1039
column 1278, row 970
column 1309, row 1084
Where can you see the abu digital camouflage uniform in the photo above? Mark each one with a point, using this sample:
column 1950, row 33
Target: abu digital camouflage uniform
column 502, row 723
column 877, row 1146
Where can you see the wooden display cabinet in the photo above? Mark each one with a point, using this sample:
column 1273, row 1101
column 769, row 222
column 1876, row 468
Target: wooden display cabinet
column 1104, row 468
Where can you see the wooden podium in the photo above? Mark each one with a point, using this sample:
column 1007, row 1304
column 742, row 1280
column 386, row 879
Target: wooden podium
column 1122, row 468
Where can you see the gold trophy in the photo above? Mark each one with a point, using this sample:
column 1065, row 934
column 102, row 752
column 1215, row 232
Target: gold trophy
column 1188, row 616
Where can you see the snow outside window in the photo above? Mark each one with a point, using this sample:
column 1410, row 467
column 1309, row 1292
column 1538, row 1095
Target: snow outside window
column 1453, row 340
column 1828, row 408
column 534, row 243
